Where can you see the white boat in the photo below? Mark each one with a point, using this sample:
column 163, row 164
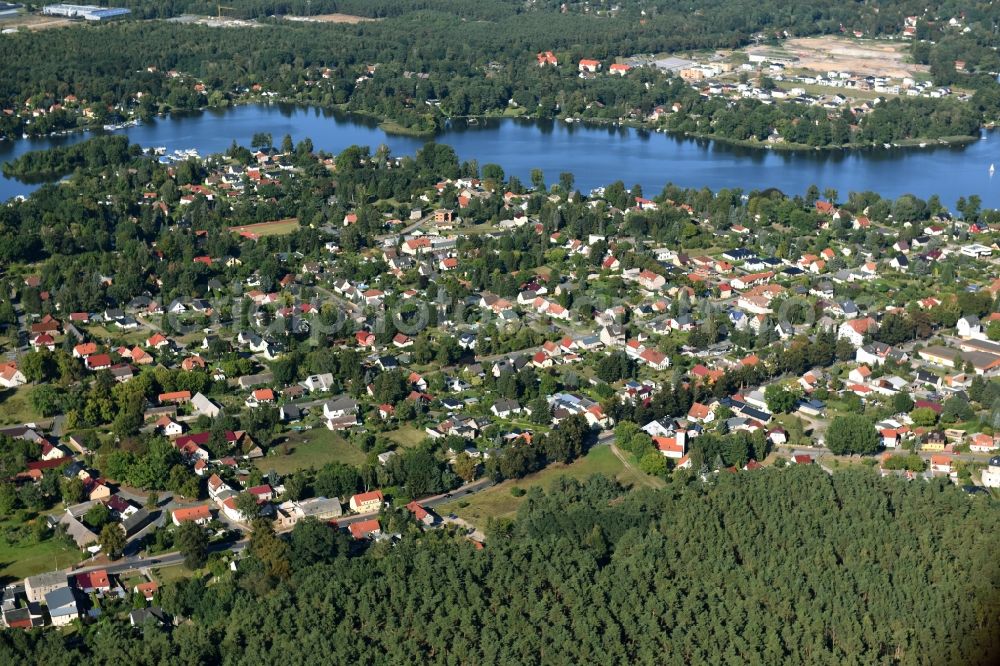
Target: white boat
column 992, row 170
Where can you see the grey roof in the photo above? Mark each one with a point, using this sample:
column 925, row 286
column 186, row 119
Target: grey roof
column 136, row 521
column 47, row 579
column 140, row 615
column 79, row 532
column 341, row 403
column 505, row 405
column 61, row 601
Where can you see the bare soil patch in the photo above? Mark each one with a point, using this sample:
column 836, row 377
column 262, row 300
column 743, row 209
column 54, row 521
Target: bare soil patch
column 332, row 18
column 859, row 56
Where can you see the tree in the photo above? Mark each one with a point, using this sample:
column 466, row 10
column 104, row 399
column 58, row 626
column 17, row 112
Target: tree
column 465, row 466
column 37, row 366
column 924, row 417
column 112, row 540
column 97, row 516
column 270, row 550
column 902, row 403
column 566, row 182
column 248, row 507
column 261, row 140
column 313, row 542
column 850, row 434
column 993, row 330
column 779, row 399
column 45, row 398
column 72, row 491
column 192, row 542
column 337, row 480
column 538, row 180
column 8, row 498
column 653, row 463
column 956, row 409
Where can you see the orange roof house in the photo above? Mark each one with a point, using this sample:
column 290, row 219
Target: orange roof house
column 198, row 514
column 176, row 397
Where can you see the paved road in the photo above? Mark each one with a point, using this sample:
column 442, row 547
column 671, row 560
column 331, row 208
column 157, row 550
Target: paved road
column 926, row 455
column 428, row 502
column 135, row 564
column 405, row 230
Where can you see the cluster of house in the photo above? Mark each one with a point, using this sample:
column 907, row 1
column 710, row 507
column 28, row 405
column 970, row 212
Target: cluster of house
column 57, row 599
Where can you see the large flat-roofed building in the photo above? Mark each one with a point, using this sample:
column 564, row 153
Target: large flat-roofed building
column 86, row 12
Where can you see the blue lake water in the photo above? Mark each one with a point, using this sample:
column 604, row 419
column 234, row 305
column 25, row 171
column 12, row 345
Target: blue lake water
column 595, row 155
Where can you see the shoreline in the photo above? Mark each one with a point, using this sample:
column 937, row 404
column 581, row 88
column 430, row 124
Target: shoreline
column 392, row 127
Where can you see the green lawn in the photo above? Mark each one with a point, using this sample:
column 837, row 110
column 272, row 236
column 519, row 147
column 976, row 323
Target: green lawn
column 497, row 502
column 407, row 436
column 15, row 406
column 312, row 448
column 164, row 575
column 19, row 561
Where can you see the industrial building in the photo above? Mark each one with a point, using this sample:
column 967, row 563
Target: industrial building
column 86, row 12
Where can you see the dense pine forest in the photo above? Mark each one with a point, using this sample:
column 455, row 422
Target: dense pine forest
column 775, row 566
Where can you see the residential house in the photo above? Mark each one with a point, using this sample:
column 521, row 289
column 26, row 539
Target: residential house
column 368, row 502
column 37, row 586
column 673, row 447
column 855, row 330
column 200, row 515
column 11, row 376
column 365, row 529
column 62, row 606
column 506, row 408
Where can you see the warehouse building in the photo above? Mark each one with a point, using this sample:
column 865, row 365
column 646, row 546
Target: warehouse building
column 86, row 12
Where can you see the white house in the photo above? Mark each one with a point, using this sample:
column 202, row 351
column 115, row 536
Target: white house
column 991, row 475
column 854, row 330
column 969, row 327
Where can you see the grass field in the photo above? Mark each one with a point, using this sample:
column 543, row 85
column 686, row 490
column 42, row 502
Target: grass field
column 276, row 228
column 407, row 436
column 312, row 448
column 19, row 561
column 166, row 575
column 15, row 406
column 497, row 502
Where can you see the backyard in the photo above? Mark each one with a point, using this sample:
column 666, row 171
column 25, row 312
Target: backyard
column 26, row 559
column 407, row 436
column 15, row 406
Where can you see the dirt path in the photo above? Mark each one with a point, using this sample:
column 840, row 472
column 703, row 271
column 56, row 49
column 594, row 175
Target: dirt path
column 651, row 481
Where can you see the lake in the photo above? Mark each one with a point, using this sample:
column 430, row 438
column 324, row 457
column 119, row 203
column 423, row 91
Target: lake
column 596, row 155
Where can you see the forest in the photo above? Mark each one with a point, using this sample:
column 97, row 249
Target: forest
column 774, row 566
column 424, row 75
